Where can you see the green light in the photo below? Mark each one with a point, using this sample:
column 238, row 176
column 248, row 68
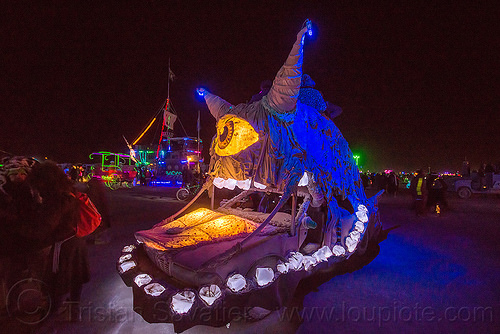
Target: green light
column 356, row 158
column 172, row 173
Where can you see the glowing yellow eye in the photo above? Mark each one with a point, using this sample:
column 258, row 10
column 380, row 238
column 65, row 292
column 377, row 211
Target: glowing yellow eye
column 234, row 134
column 226, row 135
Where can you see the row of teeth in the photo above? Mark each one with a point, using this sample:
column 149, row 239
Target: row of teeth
column 245, row 184
column 183, row 301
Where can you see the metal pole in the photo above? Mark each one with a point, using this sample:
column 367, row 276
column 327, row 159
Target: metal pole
column 198, row 141
column 168, row 79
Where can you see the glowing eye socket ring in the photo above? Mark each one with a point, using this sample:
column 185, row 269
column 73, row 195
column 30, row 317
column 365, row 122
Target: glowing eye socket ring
column 226, row 135
column 234, row 134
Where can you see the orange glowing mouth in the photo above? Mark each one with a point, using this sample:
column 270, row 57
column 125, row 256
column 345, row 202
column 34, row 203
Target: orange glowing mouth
column 200, row 226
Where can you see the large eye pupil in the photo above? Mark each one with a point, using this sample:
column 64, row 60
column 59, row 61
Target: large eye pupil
column 226, row 135
column 223, row 136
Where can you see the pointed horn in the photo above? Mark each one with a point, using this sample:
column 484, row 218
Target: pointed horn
column 282, row 96
column 218, row 107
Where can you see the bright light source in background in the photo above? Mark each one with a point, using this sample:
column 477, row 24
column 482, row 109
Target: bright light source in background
column 311, row 33
column 356, row 158
column 309, row 28
column 202, row 91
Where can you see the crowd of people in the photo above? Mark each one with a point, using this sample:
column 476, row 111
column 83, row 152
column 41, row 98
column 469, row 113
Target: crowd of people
column 428, row 190
column 389, row 182
column 39, row 211
column 482, row 178
column 429, row 193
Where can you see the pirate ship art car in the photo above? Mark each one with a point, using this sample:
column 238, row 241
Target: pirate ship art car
column 200, row 267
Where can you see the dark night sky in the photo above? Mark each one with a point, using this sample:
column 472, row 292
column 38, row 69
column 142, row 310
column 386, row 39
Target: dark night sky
column 418, row 81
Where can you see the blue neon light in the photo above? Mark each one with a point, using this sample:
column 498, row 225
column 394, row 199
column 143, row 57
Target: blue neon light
column 162, row 184
column 201, row 91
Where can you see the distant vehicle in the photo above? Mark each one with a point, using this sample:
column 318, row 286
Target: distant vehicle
column 115, row 169
column 466, row 187
column 173, row 154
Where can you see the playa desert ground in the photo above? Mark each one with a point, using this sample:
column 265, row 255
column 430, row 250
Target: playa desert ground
column 432, row 274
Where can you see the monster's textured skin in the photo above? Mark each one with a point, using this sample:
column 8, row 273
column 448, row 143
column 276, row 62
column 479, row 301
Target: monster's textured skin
column 296, row 137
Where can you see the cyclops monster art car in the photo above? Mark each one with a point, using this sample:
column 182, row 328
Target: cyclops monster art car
column 197, row 268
